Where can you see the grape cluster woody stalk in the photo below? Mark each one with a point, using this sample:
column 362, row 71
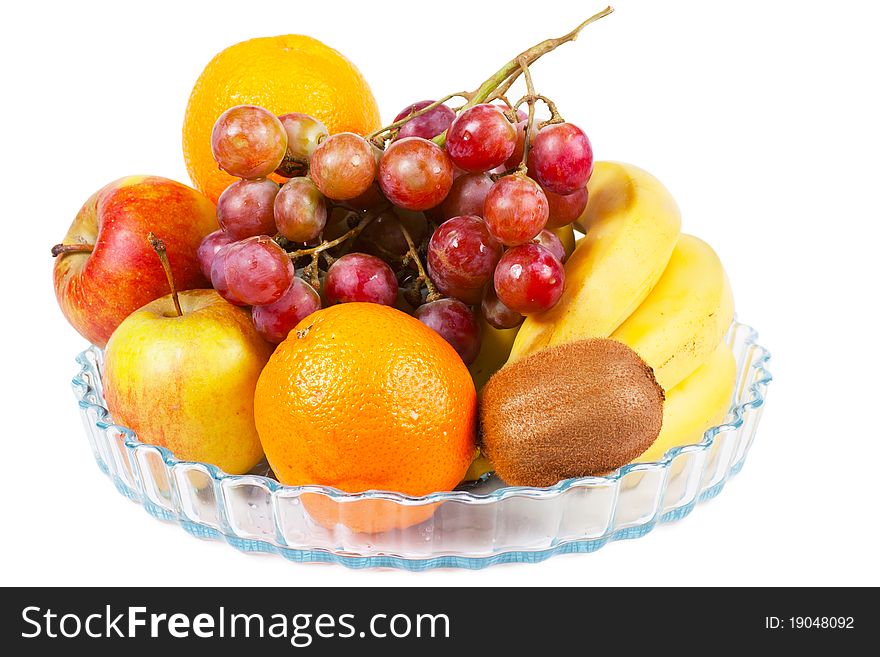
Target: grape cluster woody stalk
column 493, row 88
column 496, row 86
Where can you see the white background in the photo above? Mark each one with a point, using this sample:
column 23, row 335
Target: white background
column 761, row 117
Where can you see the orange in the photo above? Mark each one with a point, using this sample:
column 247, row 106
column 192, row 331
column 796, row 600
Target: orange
column 290, row 73
column 362, row 397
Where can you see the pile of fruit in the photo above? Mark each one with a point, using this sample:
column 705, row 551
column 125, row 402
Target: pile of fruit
column 403, row 307
column 366, row 210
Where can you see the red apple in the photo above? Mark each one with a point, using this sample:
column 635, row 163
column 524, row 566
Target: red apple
column 114, row 273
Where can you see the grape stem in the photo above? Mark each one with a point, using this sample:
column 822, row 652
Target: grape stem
column 501, row 92
column 351, row 234
column 310, row 273
column 508, row 172
column 433, row 294
column 531, row 98
column 61, row 249
column 555, row 115
column 293, row 167
column 527, row 130
column 159, row 247
column 409, row 117
column 498, row 84
column 494, row 87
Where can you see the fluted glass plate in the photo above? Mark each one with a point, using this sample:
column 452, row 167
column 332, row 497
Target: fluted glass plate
column 481, row 525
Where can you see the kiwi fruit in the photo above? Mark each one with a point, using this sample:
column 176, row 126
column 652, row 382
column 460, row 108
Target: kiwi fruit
column 572, row 410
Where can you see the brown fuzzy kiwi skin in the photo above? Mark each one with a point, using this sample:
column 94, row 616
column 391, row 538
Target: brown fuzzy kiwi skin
column 572, row 410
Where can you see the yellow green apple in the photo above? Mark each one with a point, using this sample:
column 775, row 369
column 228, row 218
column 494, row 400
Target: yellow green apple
column 105, row 269
column 185, row 380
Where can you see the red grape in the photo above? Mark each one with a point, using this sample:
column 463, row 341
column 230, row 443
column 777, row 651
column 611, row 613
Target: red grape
column 467, row 196
column 428, row 125
column 480, row 138
column 300, row 210
column 248, row 141
column 516, row 210
column 516, row 157
column 469, row 295
column 258, row 271
column 565, row 209
column 304, row 133
column 369, row 199
column 552, row 243
column 496, row 313
column 208, row 247
column 455, row 323
column 343, row 166
column 415, row 174
column 244, row 209
column 562, row 157
column 340, row 220
column 462, row 254
column 383, row 237
column 529, row 279
column 434, row 215
column 360, row 277
column 218, row 275
column 275, row 320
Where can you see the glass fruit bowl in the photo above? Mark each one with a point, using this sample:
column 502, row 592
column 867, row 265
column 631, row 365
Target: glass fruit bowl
column 476, row 526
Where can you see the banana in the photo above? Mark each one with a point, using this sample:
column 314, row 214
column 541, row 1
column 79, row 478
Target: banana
column 494, row 350
column 697, row 403
column 632, row 224
column 479, row 466
column 566, row 236
column 684, row 317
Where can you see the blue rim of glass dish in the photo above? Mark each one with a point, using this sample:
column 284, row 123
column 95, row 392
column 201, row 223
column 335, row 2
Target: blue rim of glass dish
column 755, row 396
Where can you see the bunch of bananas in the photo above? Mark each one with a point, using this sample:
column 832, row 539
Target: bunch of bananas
column 634, row 277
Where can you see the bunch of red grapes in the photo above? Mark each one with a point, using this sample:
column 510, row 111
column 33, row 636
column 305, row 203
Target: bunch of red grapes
column 358, row 221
